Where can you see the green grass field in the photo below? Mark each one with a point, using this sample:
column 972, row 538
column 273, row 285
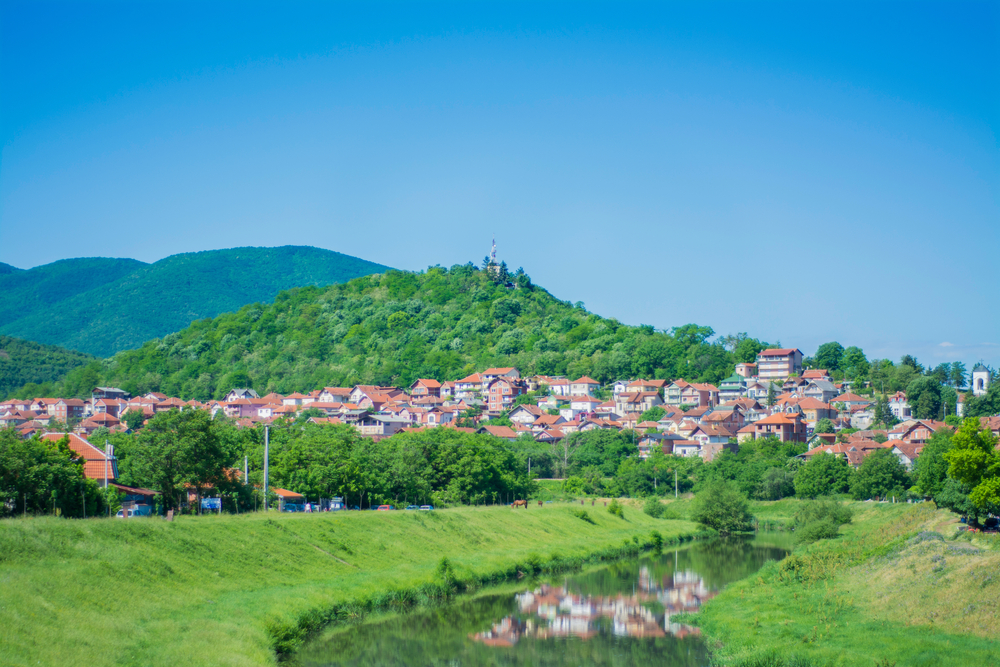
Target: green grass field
column 896, row 588
column 227, row 590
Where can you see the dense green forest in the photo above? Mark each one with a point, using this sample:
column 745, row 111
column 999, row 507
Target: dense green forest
column 24, row 362
column 102, row 306
column 394, row 327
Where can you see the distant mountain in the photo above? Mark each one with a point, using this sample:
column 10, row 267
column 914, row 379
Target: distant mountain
column 102, row 306
column 7, row 268
column 395, row 327
column 23, row 362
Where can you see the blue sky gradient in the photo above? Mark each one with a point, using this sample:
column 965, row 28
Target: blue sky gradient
column 803, row 172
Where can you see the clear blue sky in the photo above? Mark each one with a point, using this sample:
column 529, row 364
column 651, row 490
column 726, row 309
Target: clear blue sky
column 803, row 172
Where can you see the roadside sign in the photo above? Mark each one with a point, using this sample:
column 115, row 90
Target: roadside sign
column 211, row 503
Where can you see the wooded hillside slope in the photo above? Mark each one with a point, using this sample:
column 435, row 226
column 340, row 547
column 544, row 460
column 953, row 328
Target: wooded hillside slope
column 395, row 327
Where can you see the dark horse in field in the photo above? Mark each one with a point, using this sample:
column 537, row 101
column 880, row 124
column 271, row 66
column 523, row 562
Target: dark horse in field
column 520, row 503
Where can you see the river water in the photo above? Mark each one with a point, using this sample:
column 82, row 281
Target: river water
column 613, row 616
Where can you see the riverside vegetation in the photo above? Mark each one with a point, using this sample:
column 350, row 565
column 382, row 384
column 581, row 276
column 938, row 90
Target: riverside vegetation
column 241, row 590
column 899, row 586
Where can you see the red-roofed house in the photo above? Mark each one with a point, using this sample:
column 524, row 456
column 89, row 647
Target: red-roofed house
column 787, row 428
column 469, row 387
column 584, row 386
column 425, row 387
column 814, row 410
column 850, row 400
column 501, row 392
column 778, row 364
column 700, row 395
column 491, row 374
column 68, row 408
column 97, row 465
column 335, row 395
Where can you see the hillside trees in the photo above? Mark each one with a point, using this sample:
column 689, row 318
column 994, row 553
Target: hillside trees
column 395, row 327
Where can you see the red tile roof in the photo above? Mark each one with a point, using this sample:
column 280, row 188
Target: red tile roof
column 781, row 352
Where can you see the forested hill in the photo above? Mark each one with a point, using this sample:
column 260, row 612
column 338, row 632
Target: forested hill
column 394, row 327
column 102, row 306
column 23, row 362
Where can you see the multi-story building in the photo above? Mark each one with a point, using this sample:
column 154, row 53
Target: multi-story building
column 778, row 364
column 501, row 392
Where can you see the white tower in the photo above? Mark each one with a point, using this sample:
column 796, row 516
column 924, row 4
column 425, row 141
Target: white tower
column 980, row 380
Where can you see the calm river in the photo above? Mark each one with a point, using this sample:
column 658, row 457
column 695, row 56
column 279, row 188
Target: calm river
column 615, row 616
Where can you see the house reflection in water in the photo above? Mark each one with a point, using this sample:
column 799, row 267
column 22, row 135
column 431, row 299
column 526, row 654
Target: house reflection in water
column 552, row 611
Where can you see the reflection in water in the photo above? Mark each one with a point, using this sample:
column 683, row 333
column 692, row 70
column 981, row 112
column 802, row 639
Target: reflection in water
column 617, row 615
column 553, row 611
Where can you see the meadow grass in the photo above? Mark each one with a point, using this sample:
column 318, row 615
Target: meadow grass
column 238, row 590
column 896, row 588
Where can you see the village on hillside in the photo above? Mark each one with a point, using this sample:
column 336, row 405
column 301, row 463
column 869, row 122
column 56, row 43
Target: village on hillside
column 772, row 398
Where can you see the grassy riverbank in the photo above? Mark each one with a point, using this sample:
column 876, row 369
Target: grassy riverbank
column 228, row 590
column 895, row 588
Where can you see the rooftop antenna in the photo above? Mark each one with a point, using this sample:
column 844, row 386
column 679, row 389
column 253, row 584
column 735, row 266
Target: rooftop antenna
column 493, row 251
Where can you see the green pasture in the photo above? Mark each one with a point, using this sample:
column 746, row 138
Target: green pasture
column 229, row 590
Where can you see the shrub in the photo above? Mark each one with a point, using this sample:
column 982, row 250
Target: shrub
column 722, row 506
column 820, row 519
column 654, row 508
column 614, row 507
column 582, row 514
column 656, row 540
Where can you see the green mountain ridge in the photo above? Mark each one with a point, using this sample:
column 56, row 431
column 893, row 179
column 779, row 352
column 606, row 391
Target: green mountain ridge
column 394, row 327
column 102, row 306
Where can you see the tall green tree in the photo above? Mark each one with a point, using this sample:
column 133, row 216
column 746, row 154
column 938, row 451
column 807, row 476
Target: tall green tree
column 931, row 468
column 829, row 356
column 177, row 448
column 823, row 475
column 40, row 476
column 854, row 364
column 824, row 426
column 924, row 396
column 975, row 462
column 957, row 375
column 880, row 475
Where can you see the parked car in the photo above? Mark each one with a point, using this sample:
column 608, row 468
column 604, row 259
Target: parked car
column 294, row 507
column 138, row 510
column 384, row 508
column 413, row 507
column 426, row 507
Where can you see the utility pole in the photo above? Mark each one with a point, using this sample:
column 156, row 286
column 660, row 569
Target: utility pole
column 246, row 480
column 267, row 452
column 675, row 483
column 529, row 467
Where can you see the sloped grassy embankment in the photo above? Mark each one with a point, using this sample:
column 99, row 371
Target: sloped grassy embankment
column 233, row 590
column 898, row 587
